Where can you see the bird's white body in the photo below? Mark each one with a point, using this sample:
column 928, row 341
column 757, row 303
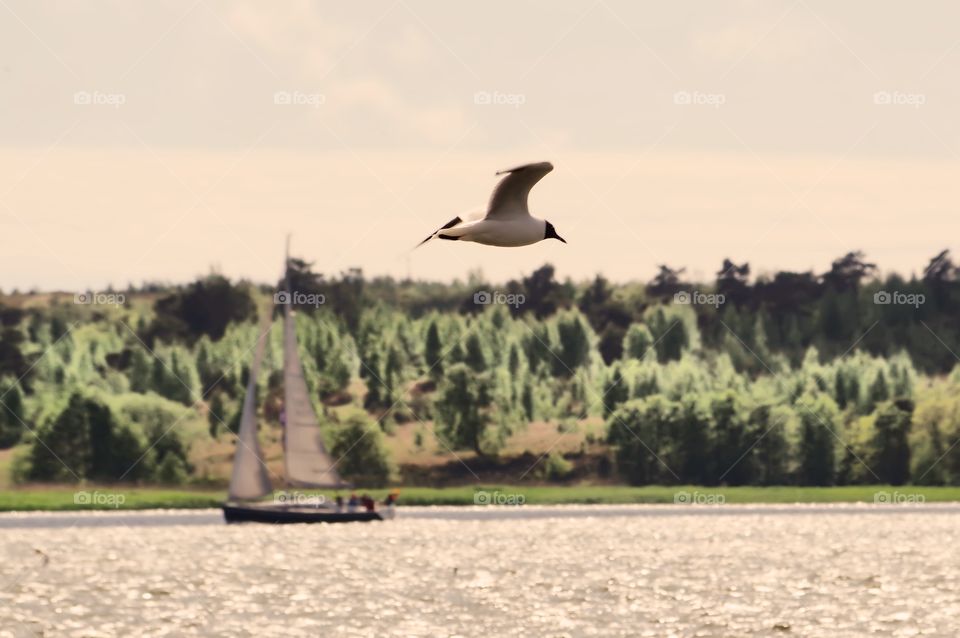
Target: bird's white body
column 521, row 231
column 507, row 220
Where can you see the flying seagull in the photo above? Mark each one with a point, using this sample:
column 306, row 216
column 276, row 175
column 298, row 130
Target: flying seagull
column 507, row 220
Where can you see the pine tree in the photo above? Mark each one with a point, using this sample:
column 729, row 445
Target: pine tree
column 433, row 351
column 475, row 357
column 840, row 389
column 85, row 442
column 371, row 372
column 817, row 455
column 615, row 392
column 216, row 414
column 574, row 348
column 891, row 456
column 140, row 376
column 637, row 341
column 513, row 360
column 393, row 375
column 527, row 400
column 11, row 416
column 462, row 407
column 358, row 443
column 771, row 451
column 878, row 391
column 730, row 440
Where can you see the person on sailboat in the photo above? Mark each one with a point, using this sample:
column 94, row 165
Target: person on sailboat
column 368, row 503
column 391, row 499
column 353, row 503
column 339, row 501
column 389, row 505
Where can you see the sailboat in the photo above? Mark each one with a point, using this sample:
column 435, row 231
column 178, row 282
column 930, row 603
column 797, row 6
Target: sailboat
column 306, row 461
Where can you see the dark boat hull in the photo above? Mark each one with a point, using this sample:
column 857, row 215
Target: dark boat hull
column 278, row 514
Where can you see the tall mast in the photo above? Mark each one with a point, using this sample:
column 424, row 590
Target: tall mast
column 286, row 265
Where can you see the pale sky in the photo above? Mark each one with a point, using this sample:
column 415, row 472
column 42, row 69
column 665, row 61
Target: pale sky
column 144, row 140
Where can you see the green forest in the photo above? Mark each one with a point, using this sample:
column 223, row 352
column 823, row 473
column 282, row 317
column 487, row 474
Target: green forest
column 812, row 379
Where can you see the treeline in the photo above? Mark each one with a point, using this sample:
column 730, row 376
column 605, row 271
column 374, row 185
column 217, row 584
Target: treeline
column 757, row 389
column 122, row 392
column 694, row 418
column 793, row 378
column 781, row 313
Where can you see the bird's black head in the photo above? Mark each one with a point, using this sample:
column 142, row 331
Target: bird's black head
column 551, row 233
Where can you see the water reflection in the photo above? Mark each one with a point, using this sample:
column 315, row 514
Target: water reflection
column 824, row 571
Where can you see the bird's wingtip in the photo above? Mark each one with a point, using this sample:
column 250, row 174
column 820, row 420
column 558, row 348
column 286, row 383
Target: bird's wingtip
column 544, row 165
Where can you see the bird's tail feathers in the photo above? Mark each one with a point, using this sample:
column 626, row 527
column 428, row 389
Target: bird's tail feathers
column 450, row 224
column 423, row 242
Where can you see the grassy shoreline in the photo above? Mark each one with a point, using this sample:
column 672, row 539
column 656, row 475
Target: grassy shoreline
column 113, row 498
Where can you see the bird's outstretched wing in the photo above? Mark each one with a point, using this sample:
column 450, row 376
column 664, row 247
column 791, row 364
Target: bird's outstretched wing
column 509, row 198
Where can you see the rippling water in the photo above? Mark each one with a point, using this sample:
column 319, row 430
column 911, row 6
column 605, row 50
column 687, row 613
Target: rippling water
column 620, row 572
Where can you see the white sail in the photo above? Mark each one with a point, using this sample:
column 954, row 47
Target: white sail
column 307, row 462
column 249, row 479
